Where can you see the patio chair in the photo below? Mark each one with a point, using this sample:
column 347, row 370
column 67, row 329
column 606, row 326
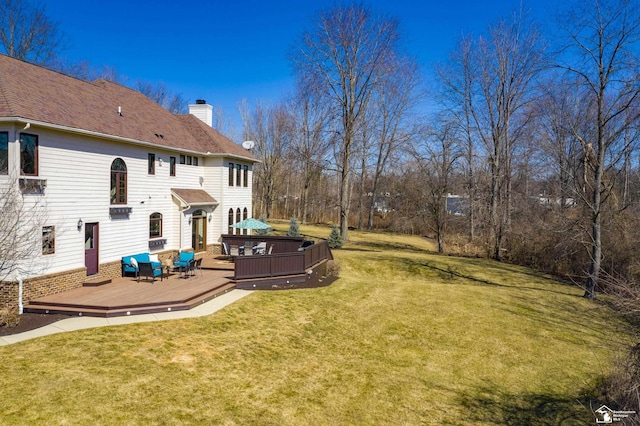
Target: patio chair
column 183, row 259
column 242, row 250
column 187, row 270
column 148, row 271
column 197, row 266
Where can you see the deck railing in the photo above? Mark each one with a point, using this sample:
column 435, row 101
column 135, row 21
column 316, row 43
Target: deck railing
column 278, row 263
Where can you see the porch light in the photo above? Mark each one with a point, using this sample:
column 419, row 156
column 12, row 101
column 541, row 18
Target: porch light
column 79, row 224
column 189, row 220
column 210, row 217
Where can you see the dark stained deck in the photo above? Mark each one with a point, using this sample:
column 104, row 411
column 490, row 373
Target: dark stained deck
column 127, row 296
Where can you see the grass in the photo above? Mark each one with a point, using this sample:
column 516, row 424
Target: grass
column 403, row 337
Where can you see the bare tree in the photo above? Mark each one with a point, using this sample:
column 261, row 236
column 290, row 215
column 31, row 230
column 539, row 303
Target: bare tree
column 458, row 80
column 603, row 38
column 311, row 142
column 435, row 157
column 161, row 95
column 27, row 33
column 271, row 129
column 21, row 222
column 392, row 102
column 343, row 57
column 555, row 110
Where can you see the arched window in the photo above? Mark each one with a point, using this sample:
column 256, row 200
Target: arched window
column 231, row 222
column 118, row 182
column 245, row 215
column 238, row 219
column 155, row 225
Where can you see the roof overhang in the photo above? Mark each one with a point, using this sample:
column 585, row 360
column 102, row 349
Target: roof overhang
column 98, row 135
column 189, row 198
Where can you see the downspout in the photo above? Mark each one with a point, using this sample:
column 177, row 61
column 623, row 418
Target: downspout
column 20, row 305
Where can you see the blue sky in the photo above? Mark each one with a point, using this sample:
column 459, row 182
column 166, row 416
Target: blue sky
column 226, row 51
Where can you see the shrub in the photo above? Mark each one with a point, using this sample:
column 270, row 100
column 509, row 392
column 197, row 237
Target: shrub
column 333, row 269
column 9, row 317
column 619, row 389
column 335, row 238
column 294, row 228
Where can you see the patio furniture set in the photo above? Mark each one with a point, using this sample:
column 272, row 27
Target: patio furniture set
column 149, row 266
column 257, row 249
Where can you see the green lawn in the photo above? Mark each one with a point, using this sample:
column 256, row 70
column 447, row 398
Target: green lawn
column 403, row 337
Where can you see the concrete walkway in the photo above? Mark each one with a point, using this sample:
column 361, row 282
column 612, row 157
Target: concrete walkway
column 81, row 323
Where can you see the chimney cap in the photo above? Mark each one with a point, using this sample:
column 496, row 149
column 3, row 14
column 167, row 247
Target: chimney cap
column 200, row 102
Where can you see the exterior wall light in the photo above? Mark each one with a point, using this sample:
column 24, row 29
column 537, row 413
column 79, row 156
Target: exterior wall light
column 79, row 224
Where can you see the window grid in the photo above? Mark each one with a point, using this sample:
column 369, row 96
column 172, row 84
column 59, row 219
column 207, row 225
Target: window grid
column 155, row 225
column 118, row 182
column 4, row 153
column 230, row 230
column 152, row 164
column 28, row 154
column 48, row 240
column 172, row 166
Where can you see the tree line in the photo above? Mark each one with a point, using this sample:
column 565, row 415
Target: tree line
column 528, row 152
column 537, row 140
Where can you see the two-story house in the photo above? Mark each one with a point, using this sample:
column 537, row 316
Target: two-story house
column 101, row 171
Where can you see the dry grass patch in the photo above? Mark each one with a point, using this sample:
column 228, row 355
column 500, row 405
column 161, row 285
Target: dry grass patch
column 403, row 337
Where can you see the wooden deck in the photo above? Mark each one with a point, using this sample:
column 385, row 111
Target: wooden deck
column 127, row 296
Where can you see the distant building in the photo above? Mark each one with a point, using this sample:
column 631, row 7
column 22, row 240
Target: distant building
column 457, row 205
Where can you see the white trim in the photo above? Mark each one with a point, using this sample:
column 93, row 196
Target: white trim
column 121, row 139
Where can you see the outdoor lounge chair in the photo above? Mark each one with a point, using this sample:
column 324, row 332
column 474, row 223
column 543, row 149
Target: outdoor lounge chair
column 149, row 271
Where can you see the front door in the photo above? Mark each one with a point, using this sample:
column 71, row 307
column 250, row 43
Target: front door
column 199, row 230
column 91, row 248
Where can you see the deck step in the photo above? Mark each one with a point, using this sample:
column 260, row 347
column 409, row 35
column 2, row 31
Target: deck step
column 115, row 311
column 96, row 282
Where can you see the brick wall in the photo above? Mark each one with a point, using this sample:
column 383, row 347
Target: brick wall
column 213, row 249
column 45, row 285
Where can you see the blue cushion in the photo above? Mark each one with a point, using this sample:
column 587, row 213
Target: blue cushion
column 140, row 257
column 184, row 258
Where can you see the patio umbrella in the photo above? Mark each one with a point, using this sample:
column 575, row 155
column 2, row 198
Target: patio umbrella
column 250, row 223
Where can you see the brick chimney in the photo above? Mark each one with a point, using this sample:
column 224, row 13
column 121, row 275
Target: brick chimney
column 203, row 111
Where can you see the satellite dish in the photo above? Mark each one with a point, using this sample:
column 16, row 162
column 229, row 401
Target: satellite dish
column 248, row 144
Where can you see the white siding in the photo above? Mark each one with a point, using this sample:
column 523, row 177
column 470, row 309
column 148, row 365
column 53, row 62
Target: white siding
column 234, row 197
column 77, row 170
